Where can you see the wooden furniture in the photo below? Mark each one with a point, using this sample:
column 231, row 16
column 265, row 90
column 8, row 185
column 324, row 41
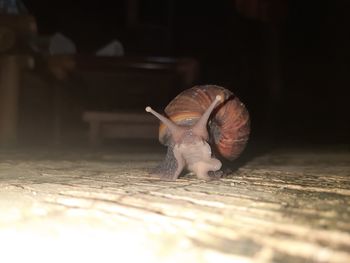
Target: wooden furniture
column 118, row 90
column 77, row 85
column 120, row 125
column 128, row 83
column 14, row 29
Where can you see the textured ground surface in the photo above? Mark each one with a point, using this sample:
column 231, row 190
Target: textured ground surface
column 88, row 206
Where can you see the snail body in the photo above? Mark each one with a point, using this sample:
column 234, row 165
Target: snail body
column 202, row 120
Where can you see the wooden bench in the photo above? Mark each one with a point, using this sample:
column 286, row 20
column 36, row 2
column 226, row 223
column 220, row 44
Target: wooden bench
column 118, row 89
column 120, row 126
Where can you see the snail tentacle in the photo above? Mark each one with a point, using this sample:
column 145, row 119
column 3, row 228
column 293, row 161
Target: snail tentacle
column 175, row 130
column 200, row 128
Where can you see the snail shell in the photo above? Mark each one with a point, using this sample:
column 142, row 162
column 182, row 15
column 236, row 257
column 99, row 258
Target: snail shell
column 229, row 126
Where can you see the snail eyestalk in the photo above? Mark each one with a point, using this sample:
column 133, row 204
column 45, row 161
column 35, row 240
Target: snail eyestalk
column 200, row 128
column 174, row 129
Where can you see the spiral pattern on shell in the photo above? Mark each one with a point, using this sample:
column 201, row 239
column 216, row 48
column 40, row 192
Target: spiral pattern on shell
column 229, row 125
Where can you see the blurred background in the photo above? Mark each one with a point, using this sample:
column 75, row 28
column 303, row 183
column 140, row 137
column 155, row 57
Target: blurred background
column 287, row 60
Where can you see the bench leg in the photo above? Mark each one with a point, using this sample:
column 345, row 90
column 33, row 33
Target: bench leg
column 94, row 134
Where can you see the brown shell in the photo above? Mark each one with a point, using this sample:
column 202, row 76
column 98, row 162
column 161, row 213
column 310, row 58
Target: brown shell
column 229, row 125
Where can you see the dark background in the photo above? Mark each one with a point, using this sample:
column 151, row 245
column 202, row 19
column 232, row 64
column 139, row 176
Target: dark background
column 292, row 73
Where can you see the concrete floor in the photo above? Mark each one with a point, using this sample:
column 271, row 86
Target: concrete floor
column 60, row 205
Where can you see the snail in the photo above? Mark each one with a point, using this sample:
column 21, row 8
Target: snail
column 199, row 122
